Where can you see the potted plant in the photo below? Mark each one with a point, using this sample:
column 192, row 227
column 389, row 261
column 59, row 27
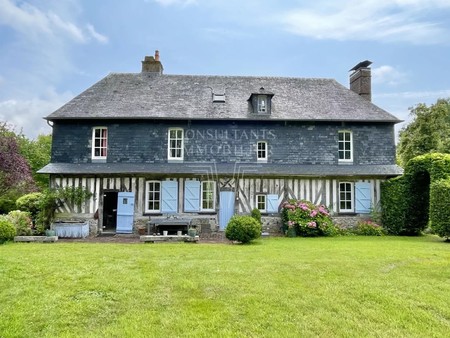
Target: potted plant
column 192, row 231
column 141, row 229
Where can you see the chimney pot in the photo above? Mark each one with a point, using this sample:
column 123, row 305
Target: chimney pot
column 360, row 80
column 152, row 64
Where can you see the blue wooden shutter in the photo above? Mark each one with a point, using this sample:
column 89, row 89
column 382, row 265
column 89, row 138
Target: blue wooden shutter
column 272, row 203
column 169, row 196
column 363, row 199
column 191, row 196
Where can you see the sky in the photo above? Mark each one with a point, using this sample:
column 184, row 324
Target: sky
column 52, row 50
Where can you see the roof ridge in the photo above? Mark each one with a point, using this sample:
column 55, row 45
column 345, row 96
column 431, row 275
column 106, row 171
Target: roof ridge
column 226, row 76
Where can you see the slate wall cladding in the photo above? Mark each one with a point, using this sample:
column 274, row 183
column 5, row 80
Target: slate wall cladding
column 225, row 141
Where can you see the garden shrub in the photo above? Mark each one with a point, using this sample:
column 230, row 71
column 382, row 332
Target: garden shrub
column 307, row 219
column 21, row 221
column 256, row 214
column 30, row 203
column 7, row 230
column 368, row 228
column 243, row 229
column 439, row 208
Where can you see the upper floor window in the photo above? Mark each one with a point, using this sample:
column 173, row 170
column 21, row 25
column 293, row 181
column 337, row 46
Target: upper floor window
column 345, row 146
column 346, row 197
column 153, row 196
column 208, row 195
column 261, row 151
column 99, row 142
column 175, row 144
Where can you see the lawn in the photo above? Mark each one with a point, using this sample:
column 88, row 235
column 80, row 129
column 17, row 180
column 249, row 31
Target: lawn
column 290, row 287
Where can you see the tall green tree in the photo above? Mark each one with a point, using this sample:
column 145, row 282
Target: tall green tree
column 37, row 153
column 428, row 132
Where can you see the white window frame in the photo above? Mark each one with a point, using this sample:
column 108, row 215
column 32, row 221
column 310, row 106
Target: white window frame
column 103, row 148
column 343, row 143
column 262, row 104
column 147, row 197
column 347, row 199
column 177, row 147
column 263, row 152
column 211, row 207
column 261, row 200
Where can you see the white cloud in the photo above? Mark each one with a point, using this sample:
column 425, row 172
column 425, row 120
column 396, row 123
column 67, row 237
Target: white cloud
column 27, row 115
column 36, row 23
column 97, row 36
column 382, row 20
column 387, row 75
column 176, row 2
column 420, row 95
column 38, row 58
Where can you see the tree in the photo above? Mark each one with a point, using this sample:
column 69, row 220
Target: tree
column 37, row 153
column 429, row 131
column 15, row 173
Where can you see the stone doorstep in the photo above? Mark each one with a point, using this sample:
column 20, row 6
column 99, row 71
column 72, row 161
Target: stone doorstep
column 41, row 239
column 169, row 238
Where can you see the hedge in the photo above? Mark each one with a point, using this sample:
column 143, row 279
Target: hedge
column 440, row 208
column 407, row 200
column 394, row 205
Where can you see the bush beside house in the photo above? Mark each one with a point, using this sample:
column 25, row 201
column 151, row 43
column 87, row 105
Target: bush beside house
column 243, row 229
column 303, row 218
column 7, row 229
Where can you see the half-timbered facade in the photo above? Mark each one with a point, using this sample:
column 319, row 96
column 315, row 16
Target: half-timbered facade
column 207, row 147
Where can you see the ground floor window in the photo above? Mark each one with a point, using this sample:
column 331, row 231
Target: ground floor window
column 153, row 197
column 346, row 197
column 261, row 203
column 208, row 195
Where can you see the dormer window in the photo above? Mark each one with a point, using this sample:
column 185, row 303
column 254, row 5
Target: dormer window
column 261, row 102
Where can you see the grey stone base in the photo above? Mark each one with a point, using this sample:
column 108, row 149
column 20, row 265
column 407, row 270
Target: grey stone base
column 170, row 238
column 41, row 239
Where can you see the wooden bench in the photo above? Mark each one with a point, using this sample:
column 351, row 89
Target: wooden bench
column 169, row 238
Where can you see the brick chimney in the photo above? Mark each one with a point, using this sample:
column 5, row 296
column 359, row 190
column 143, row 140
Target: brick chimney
column 360, row 80
column 152, row 64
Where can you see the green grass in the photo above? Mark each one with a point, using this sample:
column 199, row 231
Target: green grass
column 289, row 287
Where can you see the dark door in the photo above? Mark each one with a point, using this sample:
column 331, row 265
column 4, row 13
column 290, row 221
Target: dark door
column 109, row 210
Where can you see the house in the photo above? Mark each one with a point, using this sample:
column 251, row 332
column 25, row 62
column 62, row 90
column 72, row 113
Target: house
column 155, row 146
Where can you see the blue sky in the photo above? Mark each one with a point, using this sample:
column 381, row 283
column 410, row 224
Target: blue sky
column 52, row 50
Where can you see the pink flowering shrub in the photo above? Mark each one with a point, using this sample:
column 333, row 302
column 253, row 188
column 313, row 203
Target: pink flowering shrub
column 307, row 219
column 368, row 228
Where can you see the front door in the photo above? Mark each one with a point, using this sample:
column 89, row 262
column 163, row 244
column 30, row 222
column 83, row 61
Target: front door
column 109, row 211
column 125, row 212
column 226, row 208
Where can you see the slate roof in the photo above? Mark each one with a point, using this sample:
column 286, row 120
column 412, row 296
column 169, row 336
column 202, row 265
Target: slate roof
column 156, row 96
column 238, row 169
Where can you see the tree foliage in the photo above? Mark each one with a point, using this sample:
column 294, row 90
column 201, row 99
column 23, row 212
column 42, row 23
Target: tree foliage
column 429, row 131
column 37, row 153
column 15, row 173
